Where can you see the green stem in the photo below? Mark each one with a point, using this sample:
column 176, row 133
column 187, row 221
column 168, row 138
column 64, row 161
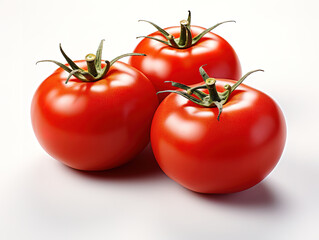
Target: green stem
column 94, row 68
column 213, row 98
column 243, row 78
column 189, row 38
column 193, row 90
column 90, row 60
column 189, row 18
column 171, row 40
column 211, row 86
column 185, row 39
column 182, row 37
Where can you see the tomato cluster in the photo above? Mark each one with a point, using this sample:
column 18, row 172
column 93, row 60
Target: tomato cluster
column 219, row 136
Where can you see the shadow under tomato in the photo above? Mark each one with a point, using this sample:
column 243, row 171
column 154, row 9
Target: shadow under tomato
column 142, row 166
column 259, row 196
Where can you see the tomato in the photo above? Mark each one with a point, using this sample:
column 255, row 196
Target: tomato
column 208, row 154
column 94, row 125
column 165, row 62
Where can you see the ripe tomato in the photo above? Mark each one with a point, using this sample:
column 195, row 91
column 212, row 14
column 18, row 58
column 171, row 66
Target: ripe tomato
column 94, row 125
column 208, row 155
column 165, row 62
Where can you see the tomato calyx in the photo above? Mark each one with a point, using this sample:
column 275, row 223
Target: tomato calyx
column 213, row 98
column 94, row 70
column 186, row 39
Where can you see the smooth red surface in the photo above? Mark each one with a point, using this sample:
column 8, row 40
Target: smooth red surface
column 164, row 63
column 96, row 125
column 209, row 156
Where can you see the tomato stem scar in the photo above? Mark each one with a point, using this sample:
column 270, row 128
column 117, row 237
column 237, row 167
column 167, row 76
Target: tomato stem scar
column 185, row 39
column 213, row 98
column 94, row 65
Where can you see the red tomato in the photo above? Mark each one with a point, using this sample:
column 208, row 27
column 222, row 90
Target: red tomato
column 94, row 125
column 209, row 156
column 164, row 62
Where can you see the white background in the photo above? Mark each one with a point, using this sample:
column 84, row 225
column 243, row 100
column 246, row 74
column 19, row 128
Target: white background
column 43, row 199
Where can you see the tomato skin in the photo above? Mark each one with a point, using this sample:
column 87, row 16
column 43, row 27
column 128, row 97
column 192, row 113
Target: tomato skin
column 165, row 63
column 209, row 156
column 94, row 125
